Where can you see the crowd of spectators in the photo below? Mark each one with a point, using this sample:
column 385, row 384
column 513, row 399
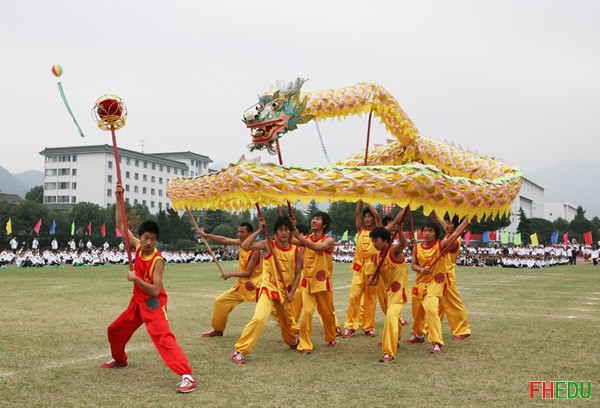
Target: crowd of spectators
column 482, row 256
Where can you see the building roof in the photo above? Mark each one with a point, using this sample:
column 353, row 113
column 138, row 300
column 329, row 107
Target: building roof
column 186, row 155
column 157, row 158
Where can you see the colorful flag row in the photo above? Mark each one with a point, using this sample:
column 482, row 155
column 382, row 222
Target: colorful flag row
column 52, row 231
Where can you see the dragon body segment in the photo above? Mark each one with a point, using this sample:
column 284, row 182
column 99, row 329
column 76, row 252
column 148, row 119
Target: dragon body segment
column 410, row 170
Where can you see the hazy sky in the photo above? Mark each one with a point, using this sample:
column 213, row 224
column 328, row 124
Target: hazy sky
column 515, row 79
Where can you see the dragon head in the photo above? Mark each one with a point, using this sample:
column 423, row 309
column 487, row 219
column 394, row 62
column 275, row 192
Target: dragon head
column 277, row 112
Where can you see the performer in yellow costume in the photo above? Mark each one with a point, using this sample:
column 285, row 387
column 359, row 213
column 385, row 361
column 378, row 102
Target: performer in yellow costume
column 273, row 293
column 430, row 285
column 363, row 268
column 316, row 286
column 249, row 276
column 452, row 304
column 394, row 275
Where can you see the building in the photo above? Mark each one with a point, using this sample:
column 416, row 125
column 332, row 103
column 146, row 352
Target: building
column 563, row 209
column 531, row 200
column 88, row 174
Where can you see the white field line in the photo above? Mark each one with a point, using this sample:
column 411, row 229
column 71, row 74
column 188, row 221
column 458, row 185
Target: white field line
column 64, row 363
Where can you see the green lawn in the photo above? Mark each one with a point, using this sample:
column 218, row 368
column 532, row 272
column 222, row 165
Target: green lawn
column 527, row 325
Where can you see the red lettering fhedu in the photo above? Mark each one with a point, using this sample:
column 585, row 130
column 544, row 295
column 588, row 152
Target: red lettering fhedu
column 560, row 389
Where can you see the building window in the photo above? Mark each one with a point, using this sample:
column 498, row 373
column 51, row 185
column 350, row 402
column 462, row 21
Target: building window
column 153, row 166
column 144, row 177
column 160, row 167
column 137, row 163
column 168, row 169
column 175, row 171
column 110, row 164
column 159, row 192
column 135, row 201
column 144, row 202
column 51, row 159
column 151, row 204
column 145, row 164
column 136, row 176
column 49, row 186
column 63, row 172
column 63, row 186
column 135, row 189
column 128, row 160
column 127, row 200
column 110, row 178
column 151, row 191
column 160, row 180
column 73, row 186
column 109, row 193
column 73, row 199
column 159, row 205
column 143, row 190
column 50, row 172
column 127, row 174
column 153, row 179
column 73, row 172
column 63, row 199
column 74, row 159
column 126, row 187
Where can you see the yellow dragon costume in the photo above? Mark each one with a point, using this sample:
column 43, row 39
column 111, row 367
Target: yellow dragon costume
column 411, row 170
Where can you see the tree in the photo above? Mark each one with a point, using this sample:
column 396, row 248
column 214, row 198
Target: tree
column 543, row 228
column 561, row 225
column 525, row 227
column 224, row 230
column 343, row 218
column 311, row 209
column 36, row 194
column 580, row 225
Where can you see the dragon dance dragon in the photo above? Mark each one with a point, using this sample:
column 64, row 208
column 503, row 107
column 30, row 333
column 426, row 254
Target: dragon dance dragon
column 410, row 170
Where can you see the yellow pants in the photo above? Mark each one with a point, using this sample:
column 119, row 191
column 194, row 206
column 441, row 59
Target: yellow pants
column 323, row 301
column 360, row 285
column 224, row 304
column 381, row 296
column 452, row 305
column 392, row 329
column 427, row 319
column 256, row 325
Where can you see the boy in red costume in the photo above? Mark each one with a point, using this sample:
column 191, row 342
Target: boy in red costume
column 148, row 305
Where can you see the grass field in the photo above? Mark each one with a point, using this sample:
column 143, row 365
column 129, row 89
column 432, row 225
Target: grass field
column 527, row 325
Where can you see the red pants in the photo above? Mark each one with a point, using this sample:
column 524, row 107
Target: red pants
column 121, row 330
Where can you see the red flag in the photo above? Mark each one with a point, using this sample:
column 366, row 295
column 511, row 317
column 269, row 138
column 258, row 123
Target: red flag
column 90, row 228
column 587, row 237
column 38, row 226
column 493, row 236
column 118, row 233
column 103, row 230
column 566, row 238
column 468, row 238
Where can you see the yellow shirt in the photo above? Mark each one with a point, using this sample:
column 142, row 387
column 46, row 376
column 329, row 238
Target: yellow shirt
column 451, row 257
column 364, row 253
column 317, row 268
column 434, row 283
column 395, row 275
column 286, row 259
column 247, row 287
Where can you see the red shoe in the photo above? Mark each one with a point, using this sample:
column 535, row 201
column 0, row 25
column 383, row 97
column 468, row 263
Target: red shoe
column 404, row 322
column 114, row 364
column 332, row 343
column 188, row 384
column 461, row 337
column 436, row 349
column 370, row 333
column 238, row 358
column 306, row 352
column 414, row 339
column 386, row 358
column 338, row 332
column 212, row 333
column 348, row 333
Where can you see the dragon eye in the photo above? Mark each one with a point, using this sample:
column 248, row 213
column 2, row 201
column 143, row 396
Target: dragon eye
column 274, row 105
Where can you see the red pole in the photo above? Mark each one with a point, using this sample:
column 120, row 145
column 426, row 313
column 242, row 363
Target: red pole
column 376, row 273
column 368, row 137
column 279, row 273
column 447, row 248
column 120, row 199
